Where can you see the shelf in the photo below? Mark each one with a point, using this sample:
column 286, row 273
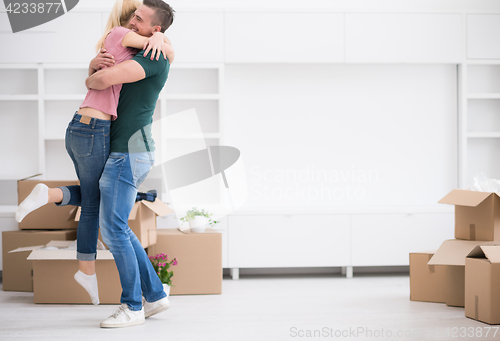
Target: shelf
column 19, row 66
column 63, row 97
column 193, row 136
column 483, row 62
column 8, row 211
column 66, row 66
column 18, row 97
column 196, row 66
column 191, row 96
column 482, row 135
column 54, row 138
column 344, row 210
column 484, row 96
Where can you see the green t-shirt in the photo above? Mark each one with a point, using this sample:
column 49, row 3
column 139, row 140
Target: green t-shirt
column 131, row 131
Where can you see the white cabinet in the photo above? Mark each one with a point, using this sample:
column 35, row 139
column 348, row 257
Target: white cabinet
column 403, row 38
column 387, row 239
column 480, row 120
column 483, row 40
column 54, row 42
column 284, row 37
column 198, row 37
column 288, row 241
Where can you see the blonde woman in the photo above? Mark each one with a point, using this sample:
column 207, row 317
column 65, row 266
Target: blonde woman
column 88, row 138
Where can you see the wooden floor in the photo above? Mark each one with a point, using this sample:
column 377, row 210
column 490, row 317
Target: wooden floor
column 286, row 307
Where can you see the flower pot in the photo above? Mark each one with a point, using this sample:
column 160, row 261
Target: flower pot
column 198, row 224
column 166, row 288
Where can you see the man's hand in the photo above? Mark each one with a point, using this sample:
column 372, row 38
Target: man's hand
column 101, row 61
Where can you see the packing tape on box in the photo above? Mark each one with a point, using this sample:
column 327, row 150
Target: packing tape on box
column 472, row 231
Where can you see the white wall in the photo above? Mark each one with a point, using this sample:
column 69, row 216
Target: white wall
column 383, row 135
column 366, row 5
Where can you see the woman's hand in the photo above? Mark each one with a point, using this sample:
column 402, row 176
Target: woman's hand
column 157, row 45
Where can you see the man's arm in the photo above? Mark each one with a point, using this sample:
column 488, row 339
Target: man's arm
column 127, row 72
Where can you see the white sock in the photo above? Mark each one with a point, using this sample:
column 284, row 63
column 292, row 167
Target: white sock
column 38, row 197
column 89, row 283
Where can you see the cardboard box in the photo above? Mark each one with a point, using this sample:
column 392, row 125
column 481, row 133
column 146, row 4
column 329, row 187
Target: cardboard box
column 427, row 282
column 53, row 272
column 17, row 271
column 142, row 219
column 199, row 255
column 482, row 284
column 47, row 217
column 451, row 254
column 477, row 214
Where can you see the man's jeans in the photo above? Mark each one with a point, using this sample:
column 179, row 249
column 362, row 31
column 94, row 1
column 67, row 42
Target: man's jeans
column 120, row 179
column 88, row 147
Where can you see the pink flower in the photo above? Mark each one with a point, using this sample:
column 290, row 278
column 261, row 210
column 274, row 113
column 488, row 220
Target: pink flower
column 174, row 262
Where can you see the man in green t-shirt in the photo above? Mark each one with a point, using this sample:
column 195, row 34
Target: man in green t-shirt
column 131, row 158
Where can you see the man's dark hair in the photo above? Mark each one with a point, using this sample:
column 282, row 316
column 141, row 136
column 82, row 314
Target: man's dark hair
column 164, row 14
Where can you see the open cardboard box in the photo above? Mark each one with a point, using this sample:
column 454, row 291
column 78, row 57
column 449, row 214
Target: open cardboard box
column 53, row 271
column 199, row 268
column 482, row 284
column 451, row 254
column 17, row 274
column 427, row 282
column 477, row 214
column 47, row 217
column 142, row 219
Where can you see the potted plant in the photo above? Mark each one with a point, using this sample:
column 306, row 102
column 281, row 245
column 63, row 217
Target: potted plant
column 161, row 264
column 198, row 220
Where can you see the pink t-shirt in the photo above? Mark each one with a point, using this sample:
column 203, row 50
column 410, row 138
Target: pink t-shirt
column 107, row 100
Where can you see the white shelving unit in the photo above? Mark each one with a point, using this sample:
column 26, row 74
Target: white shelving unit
column 53, row 92
column 480, row 118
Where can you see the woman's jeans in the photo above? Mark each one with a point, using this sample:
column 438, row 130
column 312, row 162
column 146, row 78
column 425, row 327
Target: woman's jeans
column 88, row 146
column 121, row 177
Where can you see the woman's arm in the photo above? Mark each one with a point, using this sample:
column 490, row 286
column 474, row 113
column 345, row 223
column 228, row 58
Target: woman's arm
column 158, row 43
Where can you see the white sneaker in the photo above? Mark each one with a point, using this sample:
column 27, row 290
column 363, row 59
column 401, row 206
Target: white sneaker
column 124, row 317
column 153, row 308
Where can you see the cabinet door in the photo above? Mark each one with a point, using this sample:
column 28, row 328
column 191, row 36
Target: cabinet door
column 288, row 241
column 222, row 228
column 284, row 37
column 412, row 38
column 70, row 38
column 388, row 239
column 483, row 40
column 198, row 37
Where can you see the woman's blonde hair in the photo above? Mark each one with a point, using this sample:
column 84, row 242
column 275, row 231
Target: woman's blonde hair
column 120, row 15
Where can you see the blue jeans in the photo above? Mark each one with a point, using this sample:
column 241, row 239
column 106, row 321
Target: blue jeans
column 88, row 147
column 121, row 177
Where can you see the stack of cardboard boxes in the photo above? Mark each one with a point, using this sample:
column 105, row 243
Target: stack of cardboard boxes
column 464, row 272
column 36, row 257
